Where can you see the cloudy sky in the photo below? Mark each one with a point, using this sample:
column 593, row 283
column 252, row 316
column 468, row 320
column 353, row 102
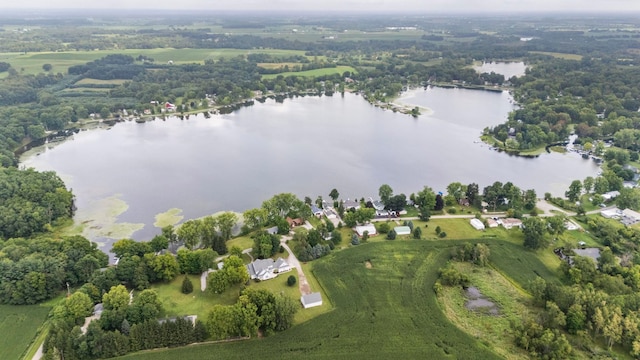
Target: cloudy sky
column 421, row 6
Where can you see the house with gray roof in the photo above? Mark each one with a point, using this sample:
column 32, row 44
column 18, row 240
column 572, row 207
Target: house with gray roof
column 265, row 269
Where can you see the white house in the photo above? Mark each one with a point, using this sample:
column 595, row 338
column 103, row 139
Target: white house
column 610, row 195
column 492, row 223
column 611, row 213
column 402, row 230
column 477, row 224
column 509, row 223
column 311, row 300
column 369, row 228
column 265, row 269
column 317, row 212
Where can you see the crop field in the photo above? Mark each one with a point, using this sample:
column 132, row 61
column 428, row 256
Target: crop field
column 559, row 55
column 18, row 326
column 385, row 310
column 31, row 63
column 312, row 73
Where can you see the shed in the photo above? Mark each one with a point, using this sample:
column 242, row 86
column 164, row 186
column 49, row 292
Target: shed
column 369, row 228
column 477, row 224
column 492, row 223
column 311, row 300
column 402, row 230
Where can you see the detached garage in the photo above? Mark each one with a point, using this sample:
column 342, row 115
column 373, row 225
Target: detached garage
column 311, row 300
column 402, row 230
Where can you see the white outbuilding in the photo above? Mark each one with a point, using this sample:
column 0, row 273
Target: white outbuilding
column 477, row 224
column 311, row 300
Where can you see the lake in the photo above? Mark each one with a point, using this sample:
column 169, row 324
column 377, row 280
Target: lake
column 123, row 176
column 508, row 69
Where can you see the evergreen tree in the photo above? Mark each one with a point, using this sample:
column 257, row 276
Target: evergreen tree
column 187, row 285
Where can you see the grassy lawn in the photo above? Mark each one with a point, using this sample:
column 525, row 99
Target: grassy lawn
column 490, row 329
column 312, row 73
column 197, row 303
column 243, row 242
column 19, row 326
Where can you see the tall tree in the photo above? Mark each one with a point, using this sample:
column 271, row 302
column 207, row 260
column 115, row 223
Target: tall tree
column 334, row 194
column 385, row 192
column 575, row 189
column 534, row 229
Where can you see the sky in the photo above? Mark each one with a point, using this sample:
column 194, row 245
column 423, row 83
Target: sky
column 409, row 6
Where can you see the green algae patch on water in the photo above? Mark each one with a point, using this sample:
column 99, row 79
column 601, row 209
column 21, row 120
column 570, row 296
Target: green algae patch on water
column 100, row 220
column 169, row 217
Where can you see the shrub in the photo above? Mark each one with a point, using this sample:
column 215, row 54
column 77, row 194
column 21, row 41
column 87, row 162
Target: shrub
column 355, row 240
column 438, row 230
column 291, row 280
column 417, row 233
column 443, row 234
column 187, row 286
column 391, row 235
column 281, row 249
column 452, row 210
column 383, row 228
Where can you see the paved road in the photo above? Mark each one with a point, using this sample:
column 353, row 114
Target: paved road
column 303, row 284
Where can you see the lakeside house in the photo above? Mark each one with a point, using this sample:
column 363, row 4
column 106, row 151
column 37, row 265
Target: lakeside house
column 311, row 300
column 510, row 223
column 350, row 204
column 294, row 222
column 265, row 269
column 316, row 211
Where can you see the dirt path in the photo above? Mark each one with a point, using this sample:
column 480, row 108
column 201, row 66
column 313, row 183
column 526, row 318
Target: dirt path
column 303, row 284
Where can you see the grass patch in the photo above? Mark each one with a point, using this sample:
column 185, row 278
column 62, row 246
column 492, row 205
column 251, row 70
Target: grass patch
column 492, row 329
column 19, row 326
column 312, row 73
column 87, row 81
column 565, row 56
column 243, row 242
column 197, row 303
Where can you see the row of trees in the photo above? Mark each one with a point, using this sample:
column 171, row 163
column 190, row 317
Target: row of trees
column 125, row 326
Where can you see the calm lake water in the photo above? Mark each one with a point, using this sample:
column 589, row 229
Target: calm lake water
column 306, row 146
column 508, row 69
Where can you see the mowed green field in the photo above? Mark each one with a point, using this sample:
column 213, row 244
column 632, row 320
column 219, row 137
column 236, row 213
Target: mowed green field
column 31, row 63
column 18, row 327
column 388, row 311
column 313, row 73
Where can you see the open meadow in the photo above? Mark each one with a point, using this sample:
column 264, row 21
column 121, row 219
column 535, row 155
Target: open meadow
column 384, row 309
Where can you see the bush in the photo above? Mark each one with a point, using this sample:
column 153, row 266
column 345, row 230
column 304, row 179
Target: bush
column 355, row 240
column 452, row 210
column 187, row 286
column 391, row 235
column 291, row 280
column 443, row 234
column 281, row 249
column 417, row 233
column 438, row 230
column 383, row 228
